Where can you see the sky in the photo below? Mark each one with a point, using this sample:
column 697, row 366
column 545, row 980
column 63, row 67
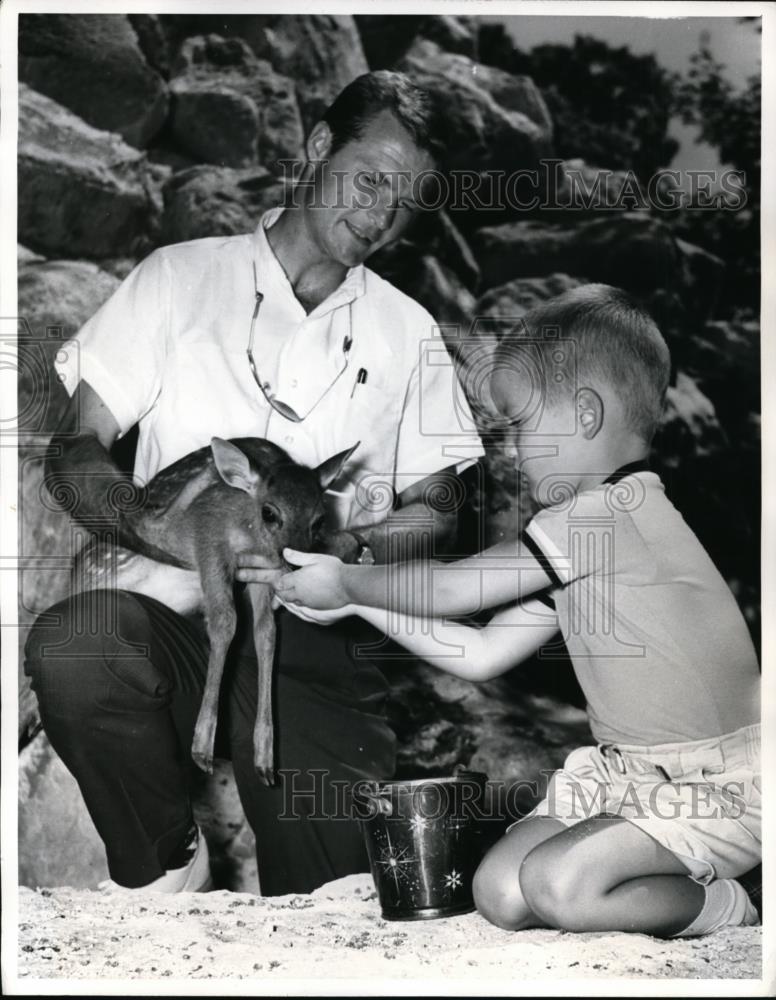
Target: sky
column 672, row 40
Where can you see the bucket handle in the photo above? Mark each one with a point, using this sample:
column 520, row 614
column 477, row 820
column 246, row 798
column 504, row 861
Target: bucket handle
column 377, row 805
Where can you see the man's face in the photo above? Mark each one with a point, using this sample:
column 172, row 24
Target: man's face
column 364, row 193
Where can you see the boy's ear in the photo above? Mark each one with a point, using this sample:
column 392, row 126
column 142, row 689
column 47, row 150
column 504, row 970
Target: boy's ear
column 318, row 142
column 590, row 412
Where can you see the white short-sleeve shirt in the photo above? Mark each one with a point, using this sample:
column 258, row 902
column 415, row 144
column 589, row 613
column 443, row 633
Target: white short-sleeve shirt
column 167, row 351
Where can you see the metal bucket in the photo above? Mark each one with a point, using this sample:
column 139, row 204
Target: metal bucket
column 424, row 839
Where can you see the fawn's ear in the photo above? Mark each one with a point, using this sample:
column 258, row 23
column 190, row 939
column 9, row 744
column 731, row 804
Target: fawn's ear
column 328, row 471
column 233, row 466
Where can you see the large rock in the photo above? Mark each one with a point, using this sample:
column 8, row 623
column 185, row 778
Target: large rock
column 26, row 256
column 55, row 298
column 58, row 844
column 217, row 201
column 690, row 428
column 702, row 277
column 725, row 357
column 452, row 249
column 82, row 192
column 387, row 37
column 494, row 121
column 432, row 233
column 418, row 268
column 452, row 33
column 511, row 728
column 93, row 65
column 580, row 188
column 153, row 41
column 436, row 287
column 522, row 249
column 502, row 307
column 322, row 53
column 232, row 108
column 629, row 250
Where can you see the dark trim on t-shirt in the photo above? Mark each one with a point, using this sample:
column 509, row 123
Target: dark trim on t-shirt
column 542, row 559
column 642, row 465
column 544, row 597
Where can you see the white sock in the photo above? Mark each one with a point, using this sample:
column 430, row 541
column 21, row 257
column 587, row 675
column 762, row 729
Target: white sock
column 726, row 905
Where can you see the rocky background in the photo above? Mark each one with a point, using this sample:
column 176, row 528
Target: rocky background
column 141, row 130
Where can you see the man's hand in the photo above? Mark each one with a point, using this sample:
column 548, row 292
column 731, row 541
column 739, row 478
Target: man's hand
column 252, row 568
column 317, row 585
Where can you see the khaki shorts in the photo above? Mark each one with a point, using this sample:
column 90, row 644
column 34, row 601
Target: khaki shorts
column 700, row 800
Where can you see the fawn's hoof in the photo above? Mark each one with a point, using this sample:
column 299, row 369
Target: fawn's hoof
column 266, row 775
column 204, row 761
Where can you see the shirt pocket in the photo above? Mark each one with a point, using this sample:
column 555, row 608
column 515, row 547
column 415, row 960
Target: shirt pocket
column 370, row 416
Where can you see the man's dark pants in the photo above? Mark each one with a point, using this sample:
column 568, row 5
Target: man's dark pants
column 119, row 680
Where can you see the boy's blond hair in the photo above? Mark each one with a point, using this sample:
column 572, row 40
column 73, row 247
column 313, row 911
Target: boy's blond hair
column 594, row 336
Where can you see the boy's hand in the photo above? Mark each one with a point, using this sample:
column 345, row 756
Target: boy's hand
column 317, row 585
column 318, row 617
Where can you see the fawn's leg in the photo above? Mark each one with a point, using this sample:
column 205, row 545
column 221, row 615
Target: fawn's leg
column 264, row 641
column 221, row 621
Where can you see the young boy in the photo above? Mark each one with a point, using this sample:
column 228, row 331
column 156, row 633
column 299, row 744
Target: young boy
column 661, row 651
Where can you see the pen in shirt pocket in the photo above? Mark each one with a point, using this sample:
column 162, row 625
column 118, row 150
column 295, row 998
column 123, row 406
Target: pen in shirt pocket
column 361, row 378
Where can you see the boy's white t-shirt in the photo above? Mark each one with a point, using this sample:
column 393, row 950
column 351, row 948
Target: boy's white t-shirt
column 658, row 643
column 168, row 351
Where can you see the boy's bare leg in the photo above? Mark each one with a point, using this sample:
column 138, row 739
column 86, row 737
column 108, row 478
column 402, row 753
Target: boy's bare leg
column 607, row 874
column 497, row 893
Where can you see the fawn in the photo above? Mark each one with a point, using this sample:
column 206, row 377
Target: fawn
column 181, row 547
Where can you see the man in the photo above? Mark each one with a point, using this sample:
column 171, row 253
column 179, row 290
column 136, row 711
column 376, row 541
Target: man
column 334, row 356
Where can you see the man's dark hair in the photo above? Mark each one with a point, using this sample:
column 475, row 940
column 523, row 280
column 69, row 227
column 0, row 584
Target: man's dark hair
column 361, row 101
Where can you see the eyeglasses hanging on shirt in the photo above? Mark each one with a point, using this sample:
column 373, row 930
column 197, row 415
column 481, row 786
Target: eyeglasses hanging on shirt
column 278, row 405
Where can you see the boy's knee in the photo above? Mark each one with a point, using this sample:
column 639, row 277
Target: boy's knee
column 553, row 889
column 497, row 896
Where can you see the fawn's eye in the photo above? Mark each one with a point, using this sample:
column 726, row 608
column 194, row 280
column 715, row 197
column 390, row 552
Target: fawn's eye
column 271, row 515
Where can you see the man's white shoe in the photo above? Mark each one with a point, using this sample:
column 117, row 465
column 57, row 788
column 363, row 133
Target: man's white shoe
column 194, row 876
column 750, row 916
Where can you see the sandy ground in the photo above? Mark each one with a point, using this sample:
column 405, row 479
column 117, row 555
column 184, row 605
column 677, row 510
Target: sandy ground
column 336, row 932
